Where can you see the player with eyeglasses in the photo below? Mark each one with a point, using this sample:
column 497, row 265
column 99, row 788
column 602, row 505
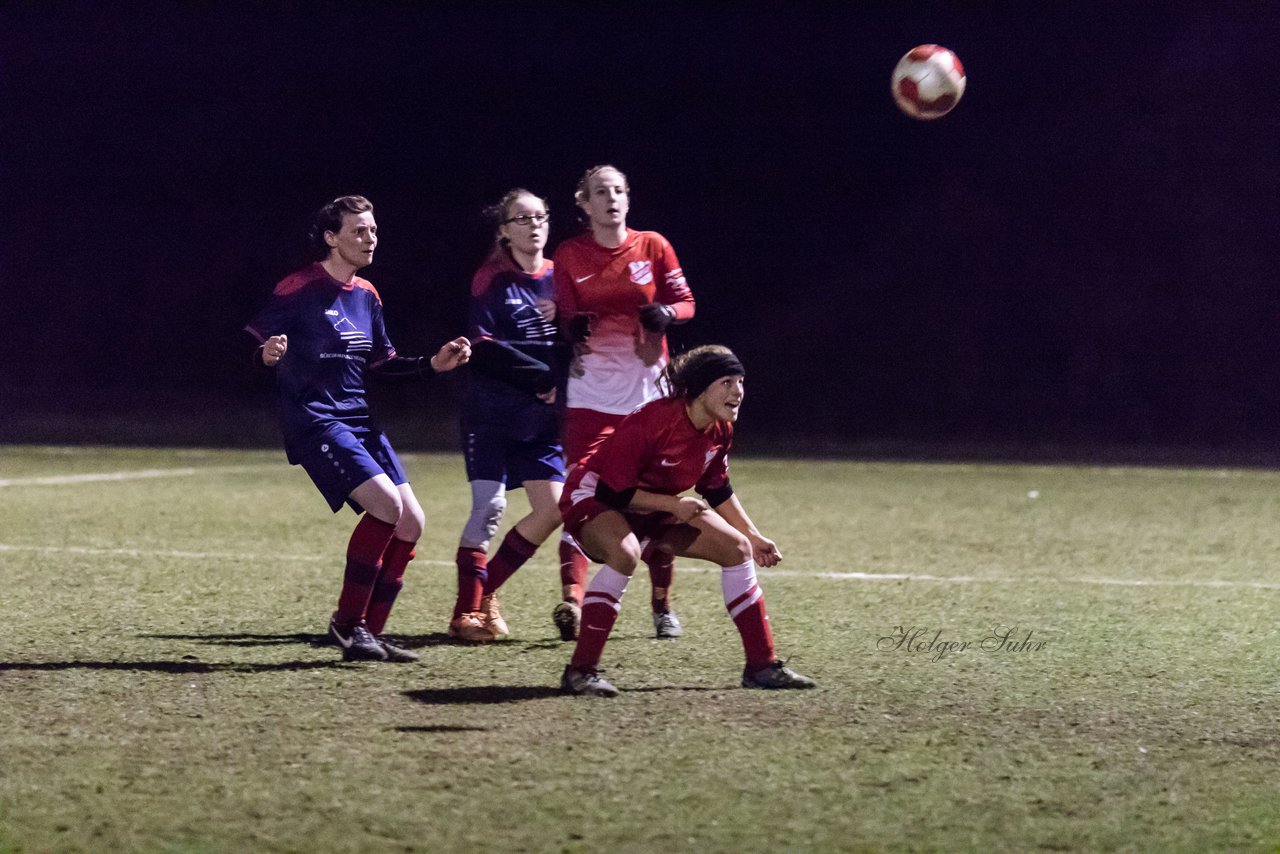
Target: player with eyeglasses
column 510, row 424
column 618, row 290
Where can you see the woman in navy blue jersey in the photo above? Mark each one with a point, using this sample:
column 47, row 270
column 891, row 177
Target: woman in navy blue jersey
column 321, row 333
column 510, row 424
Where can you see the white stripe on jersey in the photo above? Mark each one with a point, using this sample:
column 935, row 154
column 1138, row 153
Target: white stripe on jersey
column 586, row 489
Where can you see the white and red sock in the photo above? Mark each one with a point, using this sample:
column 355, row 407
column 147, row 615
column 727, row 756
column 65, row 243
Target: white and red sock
column 600, row 609
column 745, row 603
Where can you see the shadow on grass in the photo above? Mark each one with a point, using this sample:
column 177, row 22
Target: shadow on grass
column 244, row 639
column 482, row 694
column 170, row 666
column 318, row 641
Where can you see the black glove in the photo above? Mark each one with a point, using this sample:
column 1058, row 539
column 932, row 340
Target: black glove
column 656, row 317
column 579, row 328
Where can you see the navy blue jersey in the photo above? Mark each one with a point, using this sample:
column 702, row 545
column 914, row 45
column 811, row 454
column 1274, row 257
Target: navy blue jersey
column 504, row 311
column 336, row 333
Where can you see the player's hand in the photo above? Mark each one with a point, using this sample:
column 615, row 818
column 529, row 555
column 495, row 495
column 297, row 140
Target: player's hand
column 765, row 551
column 579, row 328
column 656, row 317
column 690, row 507
column 451, row 355
column 548, row 396
column 273, row 350
column 546, row 308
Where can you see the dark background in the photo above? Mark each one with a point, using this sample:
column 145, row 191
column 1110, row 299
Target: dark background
column 1082, row 256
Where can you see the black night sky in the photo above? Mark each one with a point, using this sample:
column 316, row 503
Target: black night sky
column 1084, row 252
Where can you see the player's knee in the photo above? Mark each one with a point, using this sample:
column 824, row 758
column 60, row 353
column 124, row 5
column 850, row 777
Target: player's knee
column 412, row 522
column 625, row 558
column 737, row 552
column 386, row 505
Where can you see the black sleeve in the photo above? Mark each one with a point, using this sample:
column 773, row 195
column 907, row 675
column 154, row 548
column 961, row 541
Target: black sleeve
column 404, row 367
column 504, row 362
column 610, row 497
column 719, row 495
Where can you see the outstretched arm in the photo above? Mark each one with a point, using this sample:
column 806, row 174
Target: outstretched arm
column 448, row 357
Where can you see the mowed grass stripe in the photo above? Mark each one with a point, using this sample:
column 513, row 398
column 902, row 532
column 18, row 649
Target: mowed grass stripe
column 684, row 568
column 138, row 474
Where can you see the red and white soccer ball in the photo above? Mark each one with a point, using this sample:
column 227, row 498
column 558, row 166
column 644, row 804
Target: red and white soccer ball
column 928, row 82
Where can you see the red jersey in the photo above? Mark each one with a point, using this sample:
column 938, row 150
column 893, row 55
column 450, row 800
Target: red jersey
column 657, row 449
column 622, row 361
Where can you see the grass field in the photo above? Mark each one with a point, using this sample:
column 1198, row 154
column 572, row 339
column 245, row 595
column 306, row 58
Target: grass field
column 162, row 686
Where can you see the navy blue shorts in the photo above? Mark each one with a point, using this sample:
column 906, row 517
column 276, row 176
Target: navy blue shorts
column 340, row 460
column 491, row 454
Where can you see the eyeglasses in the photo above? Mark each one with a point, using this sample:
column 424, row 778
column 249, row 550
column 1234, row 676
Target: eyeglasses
column 528, row 219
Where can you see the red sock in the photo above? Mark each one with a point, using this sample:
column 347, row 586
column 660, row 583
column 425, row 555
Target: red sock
column 757, row 637
column 745, row 602
column 471, row 575
column 599, row 612
column 573, row 570
column 390, row 581
column 364, row 552
column 511, row 555
column 662, row 570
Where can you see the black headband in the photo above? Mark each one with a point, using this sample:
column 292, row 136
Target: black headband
column 709, row 369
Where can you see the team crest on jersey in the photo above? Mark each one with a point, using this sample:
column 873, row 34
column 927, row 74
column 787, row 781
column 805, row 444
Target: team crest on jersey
column 711, row 455
column 641, row 272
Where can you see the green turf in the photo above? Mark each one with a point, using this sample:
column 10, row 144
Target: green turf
column 162, row 688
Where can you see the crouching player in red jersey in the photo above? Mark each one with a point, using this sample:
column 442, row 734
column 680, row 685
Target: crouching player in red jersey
column 626, row 497
column 510, row 424
column 618, row 290
column 322, row 331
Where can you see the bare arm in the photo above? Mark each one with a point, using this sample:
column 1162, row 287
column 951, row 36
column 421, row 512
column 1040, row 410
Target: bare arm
column 765, row 551
column 683, row 507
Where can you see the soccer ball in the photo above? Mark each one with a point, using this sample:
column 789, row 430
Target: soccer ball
column 928, row 82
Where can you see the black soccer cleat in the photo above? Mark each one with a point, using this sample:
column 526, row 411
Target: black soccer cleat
column 395, row 653
column 357, row 645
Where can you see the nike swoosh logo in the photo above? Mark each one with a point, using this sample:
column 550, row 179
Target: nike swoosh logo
column 668, row 463
column 581, row 279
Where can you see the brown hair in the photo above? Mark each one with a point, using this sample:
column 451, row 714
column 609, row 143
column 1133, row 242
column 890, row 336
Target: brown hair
column 329, row 218
column 497, row 213
column 690, row 373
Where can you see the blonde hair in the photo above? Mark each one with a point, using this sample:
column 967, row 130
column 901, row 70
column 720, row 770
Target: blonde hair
column 583, row 191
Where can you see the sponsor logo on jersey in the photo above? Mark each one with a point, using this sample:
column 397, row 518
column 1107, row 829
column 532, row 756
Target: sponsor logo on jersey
column 331, row 312
column 641, row 272
column 356, row 341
